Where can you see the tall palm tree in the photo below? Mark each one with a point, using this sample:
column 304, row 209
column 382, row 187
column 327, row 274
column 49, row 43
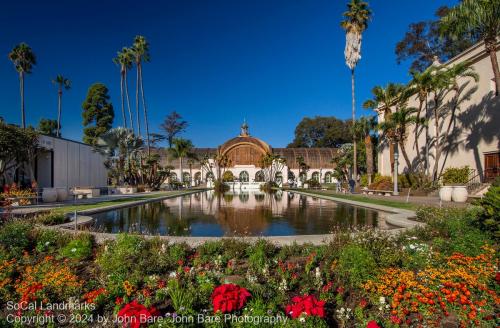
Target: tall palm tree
column 364, row 127
column 140, row 49
column 23, row 58
column 125, row 59
column 355, row 23
column 480, row 18
column 384, row 99
column 182, row 148
column 62, row 83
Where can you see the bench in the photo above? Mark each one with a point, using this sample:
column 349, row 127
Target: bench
column 85, row 192
column 377, row 192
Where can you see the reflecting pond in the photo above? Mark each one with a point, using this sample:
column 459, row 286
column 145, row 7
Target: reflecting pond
column 252, row 213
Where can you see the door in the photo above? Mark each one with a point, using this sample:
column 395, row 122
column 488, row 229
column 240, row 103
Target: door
column 491, row 166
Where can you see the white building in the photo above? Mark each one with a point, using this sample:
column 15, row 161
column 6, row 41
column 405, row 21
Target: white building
column 474, row 134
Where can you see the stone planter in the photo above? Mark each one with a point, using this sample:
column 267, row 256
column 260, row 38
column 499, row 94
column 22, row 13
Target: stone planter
column 62, row 194
column 459, row 194
column 49, row 195
column 445, row 193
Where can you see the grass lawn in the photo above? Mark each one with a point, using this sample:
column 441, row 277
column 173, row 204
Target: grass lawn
column 364, row 199
column 104, row 203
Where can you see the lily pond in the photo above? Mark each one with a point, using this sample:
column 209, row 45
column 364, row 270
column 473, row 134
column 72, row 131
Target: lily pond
column 252, row 213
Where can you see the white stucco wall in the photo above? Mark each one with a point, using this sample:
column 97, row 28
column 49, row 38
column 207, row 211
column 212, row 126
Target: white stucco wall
column 477, row 124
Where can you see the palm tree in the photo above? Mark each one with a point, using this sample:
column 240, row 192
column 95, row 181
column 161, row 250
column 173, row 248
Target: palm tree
column 182, row 148
column 141, row 53
column 480, row 18
column 384, row 99
column 125, row 60
column 61, row 83
column 364, row 126
column 395, row 128
column 23, row 58
column 355, row 23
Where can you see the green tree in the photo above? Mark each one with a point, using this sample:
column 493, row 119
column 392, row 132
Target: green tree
column 125, row 59
column 140, row 50
column 321, row 131
column 355, row 23
column 423, row 43
column 173, row 124
column 182, row 148
column 98, row 113
column 23, row 58
column 48, row 127
column 364, row 127
column 480, row 18
column 62, row 83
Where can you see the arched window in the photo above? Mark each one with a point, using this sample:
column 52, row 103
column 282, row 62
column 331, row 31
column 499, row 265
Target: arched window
column 259, row 176
column 197, row 177
column 302, row 176
column 278, row 177
column 186, row 177
column 173, row 176
column 315, row 176
column 328, row 177
column 244, row 177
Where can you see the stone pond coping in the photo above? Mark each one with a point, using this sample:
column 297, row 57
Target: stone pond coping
column 397, row 217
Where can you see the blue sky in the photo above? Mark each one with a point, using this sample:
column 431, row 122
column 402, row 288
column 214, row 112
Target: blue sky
column 216, row 62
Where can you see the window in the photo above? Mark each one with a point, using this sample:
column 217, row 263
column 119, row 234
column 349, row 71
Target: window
column 259, row 176
column 244, row 177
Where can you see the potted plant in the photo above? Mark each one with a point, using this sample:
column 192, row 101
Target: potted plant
column 455, row 184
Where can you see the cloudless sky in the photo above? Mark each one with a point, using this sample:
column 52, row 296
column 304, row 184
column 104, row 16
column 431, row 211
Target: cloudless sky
column 216, row 62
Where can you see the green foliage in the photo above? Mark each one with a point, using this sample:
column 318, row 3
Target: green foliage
column 313, row 183
column 47, row 126
column 321, row 131
column 455, row 175
column 356, row 264
column 49, row 240
column 98, row 113
column 15, row 237
column 79, row 248
column 259, row 254
column 415, row 181
column 18, row 146
column 51, row 218
column 228, row 176
column 381, row 182
column 489, row 219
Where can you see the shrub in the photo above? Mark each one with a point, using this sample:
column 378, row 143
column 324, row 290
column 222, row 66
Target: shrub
column 489, row 219
column 48, row 240
column 259, row 254
column 79, row 248
column 356, row 264
column 416, row 181
column 228, row 176
column 51, row 218
column 381, row 182
column 15, row 237
column 455, row 175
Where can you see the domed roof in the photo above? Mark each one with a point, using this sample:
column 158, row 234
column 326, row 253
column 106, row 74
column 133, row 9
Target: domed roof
column 245, row 139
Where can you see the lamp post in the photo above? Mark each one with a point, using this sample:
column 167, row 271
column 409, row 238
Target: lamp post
column 395, row 178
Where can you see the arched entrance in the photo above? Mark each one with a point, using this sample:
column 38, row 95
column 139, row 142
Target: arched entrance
column 328, row 177
column 173, row 176
column 197, row 178
column 259, row 176
column 244, row 176
column 186, row 177
column 315, row 176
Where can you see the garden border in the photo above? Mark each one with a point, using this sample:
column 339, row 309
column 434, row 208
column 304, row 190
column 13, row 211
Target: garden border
column 397, row 217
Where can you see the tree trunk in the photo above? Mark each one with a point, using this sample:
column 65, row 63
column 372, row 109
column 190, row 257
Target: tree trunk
column 122, row 73
column 490, row 46
column 125, row 82
column 180, row 169
column 437, row 141
column 405, row 155
column 354, row 158
column 369, row 157
column 21, row 89
column 145, row 111
column 137, row 100
column 417, row 124
column 59, row 100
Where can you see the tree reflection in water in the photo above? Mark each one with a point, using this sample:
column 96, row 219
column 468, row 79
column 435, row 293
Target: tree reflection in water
column 239, row 214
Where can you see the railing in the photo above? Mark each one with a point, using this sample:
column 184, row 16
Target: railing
column 474, row 182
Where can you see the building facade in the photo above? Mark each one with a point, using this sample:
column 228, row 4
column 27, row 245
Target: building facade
column 470, row 136
column 245, row 152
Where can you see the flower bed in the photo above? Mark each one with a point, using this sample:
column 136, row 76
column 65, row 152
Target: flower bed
column 444, row 272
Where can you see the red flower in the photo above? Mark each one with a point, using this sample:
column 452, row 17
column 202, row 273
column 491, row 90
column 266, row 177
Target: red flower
column 372, row 324
column 395, row 319
column 497, row 277
column 340, row 290
column 229, row 297
column 180, row 262
column 363, row 303
column 133, row 314
column 307, row 304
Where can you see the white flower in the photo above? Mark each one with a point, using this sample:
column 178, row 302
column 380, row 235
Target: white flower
column 283, row 286
column 47, row 243
column 73, row 250
column 318, row 273
column 382, row 300
column 172, row 274
column 302, row 319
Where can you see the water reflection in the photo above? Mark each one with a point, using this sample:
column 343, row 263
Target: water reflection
column 239, row 214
